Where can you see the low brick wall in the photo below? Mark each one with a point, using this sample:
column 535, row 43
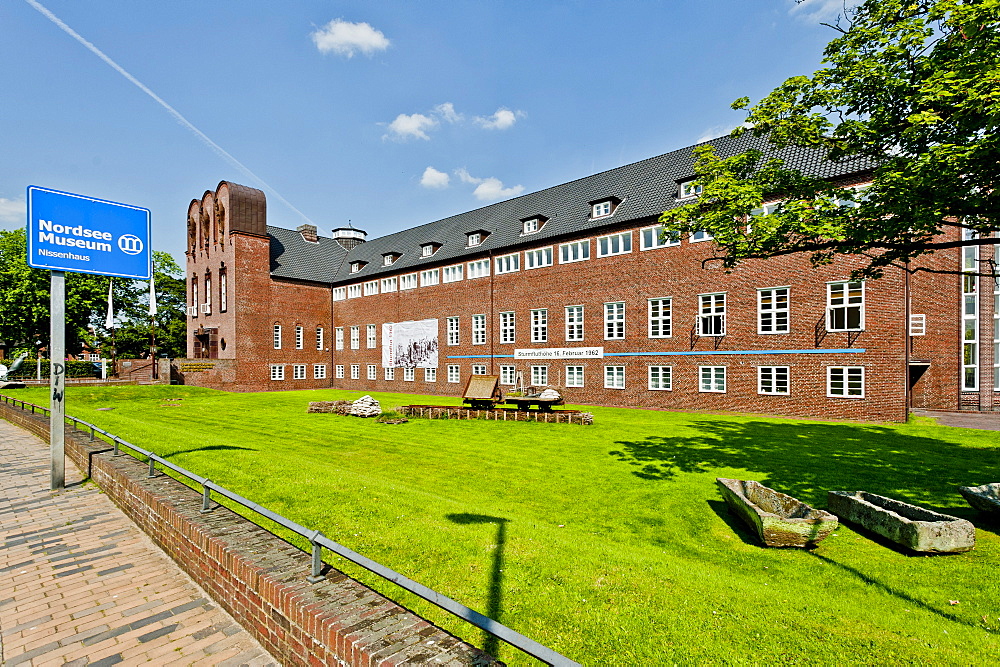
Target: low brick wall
column 498, row 414
column 259, row 578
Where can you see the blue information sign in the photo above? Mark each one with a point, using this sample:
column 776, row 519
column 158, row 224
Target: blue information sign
column 68, row 232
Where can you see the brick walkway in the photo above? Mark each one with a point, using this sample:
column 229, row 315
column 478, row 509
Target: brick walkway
column 81, row 585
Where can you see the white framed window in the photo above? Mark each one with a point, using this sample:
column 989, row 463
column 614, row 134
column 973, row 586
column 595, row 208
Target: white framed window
column 354, row 291
column 574, row 323
column 970, row 317
column 508, row 263
column 660, row 314
column 845, row 306
column 277, row 372
column 338, row 338
column 660, row 378
column 508, row 375
column 479, row 268
column 430, row 375
column 539, row 376
column 712, row 314
column 689, row 189
column 320, row 339
column 996, row 319
column 372, row 336
column 614, row 377
column 389, row 284
column 918, row 324
column 356, row 337
column 700, row 235
column 300, row 337
column 207, row 306
column 507, row 327
column 428, row 249
column 193, row 310
column 536, row 259
column 429, row 278
column 390, row 373
column 574, row 376
column 408, row 375
column 371, row 288
column 473, row 239
column 614, row 320
column 388, row 259
column 339, row 371
column 357, row 266
column 540, row 325
column 452, row 274
column 339, row 293
column 772, row 380
column 298, row 371
column 453, row 330
column 319, row 371
column 614, row 244
column 372, row 372
column 531, row 225
column 479, row 330
column 601, row 209
column 712, row 379
column 223, row 291
column 845, row 381
column 576, row 251
column 479, row 369
column 408, row 281
column 772, row 310
column 454, row 373
column 656, row 237
column 355, row 371
column 277, row 336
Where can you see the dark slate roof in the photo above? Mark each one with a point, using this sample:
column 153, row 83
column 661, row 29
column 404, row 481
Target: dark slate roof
column 294, row 257
column 645, row 188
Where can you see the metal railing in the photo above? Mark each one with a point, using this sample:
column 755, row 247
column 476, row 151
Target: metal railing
column 318, row 542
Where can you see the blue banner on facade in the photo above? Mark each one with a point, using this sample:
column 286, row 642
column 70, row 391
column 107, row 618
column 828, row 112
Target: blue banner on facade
column 68, row 232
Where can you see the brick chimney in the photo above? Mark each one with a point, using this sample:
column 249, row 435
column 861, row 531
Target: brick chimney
column 308, row 233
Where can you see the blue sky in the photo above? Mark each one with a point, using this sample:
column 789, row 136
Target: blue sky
column 388, row 114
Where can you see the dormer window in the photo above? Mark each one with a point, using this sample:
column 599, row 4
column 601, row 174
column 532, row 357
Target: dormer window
column 428, row 249
column 690, row 189
column 476, row 238
column 532, row 224
column 389, row 258
column 603, row 208
column 357, row 266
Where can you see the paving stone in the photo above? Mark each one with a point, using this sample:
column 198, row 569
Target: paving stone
column 83, row 586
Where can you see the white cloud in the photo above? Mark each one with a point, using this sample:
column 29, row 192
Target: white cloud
column 412, row 126
column 12, row 211
column 433, row 178
column 447, row 111
column 501, row 120
column 821, row 10
column 346, row 39
column 490, row 188
column 717, row 131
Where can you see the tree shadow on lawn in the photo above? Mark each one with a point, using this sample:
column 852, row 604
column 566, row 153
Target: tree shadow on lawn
column 807, row 460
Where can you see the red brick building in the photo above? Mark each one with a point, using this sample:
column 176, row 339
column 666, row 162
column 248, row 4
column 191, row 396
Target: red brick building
column 575, row 286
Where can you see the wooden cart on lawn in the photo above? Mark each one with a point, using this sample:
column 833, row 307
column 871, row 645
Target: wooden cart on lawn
column 482, row 392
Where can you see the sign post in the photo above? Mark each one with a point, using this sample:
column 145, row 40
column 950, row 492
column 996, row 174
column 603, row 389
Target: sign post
column 80, row 234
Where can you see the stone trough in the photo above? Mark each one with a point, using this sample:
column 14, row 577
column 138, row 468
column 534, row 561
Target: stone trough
column 985, row 498
column 779, row 520
column 916, row 528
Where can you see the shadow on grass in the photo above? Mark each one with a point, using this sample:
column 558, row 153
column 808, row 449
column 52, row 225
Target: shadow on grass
column 741, row 530
column 210, row 448
column 807, row 460
column 494, row 604
column 895, row 592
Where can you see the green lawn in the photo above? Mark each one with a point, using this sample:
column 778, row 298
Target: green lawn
column 609, row 542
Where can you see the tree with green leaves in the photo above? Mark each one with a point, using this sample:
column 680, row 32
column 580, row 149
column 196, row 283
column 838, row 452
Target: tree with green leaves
column 24, row 299
column 910, row 86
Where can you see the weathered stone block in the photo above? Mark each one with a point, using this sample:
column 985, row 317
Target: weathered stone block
column 985, row 498
column 779, row 519
column 914, row 527
column 366, row 406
